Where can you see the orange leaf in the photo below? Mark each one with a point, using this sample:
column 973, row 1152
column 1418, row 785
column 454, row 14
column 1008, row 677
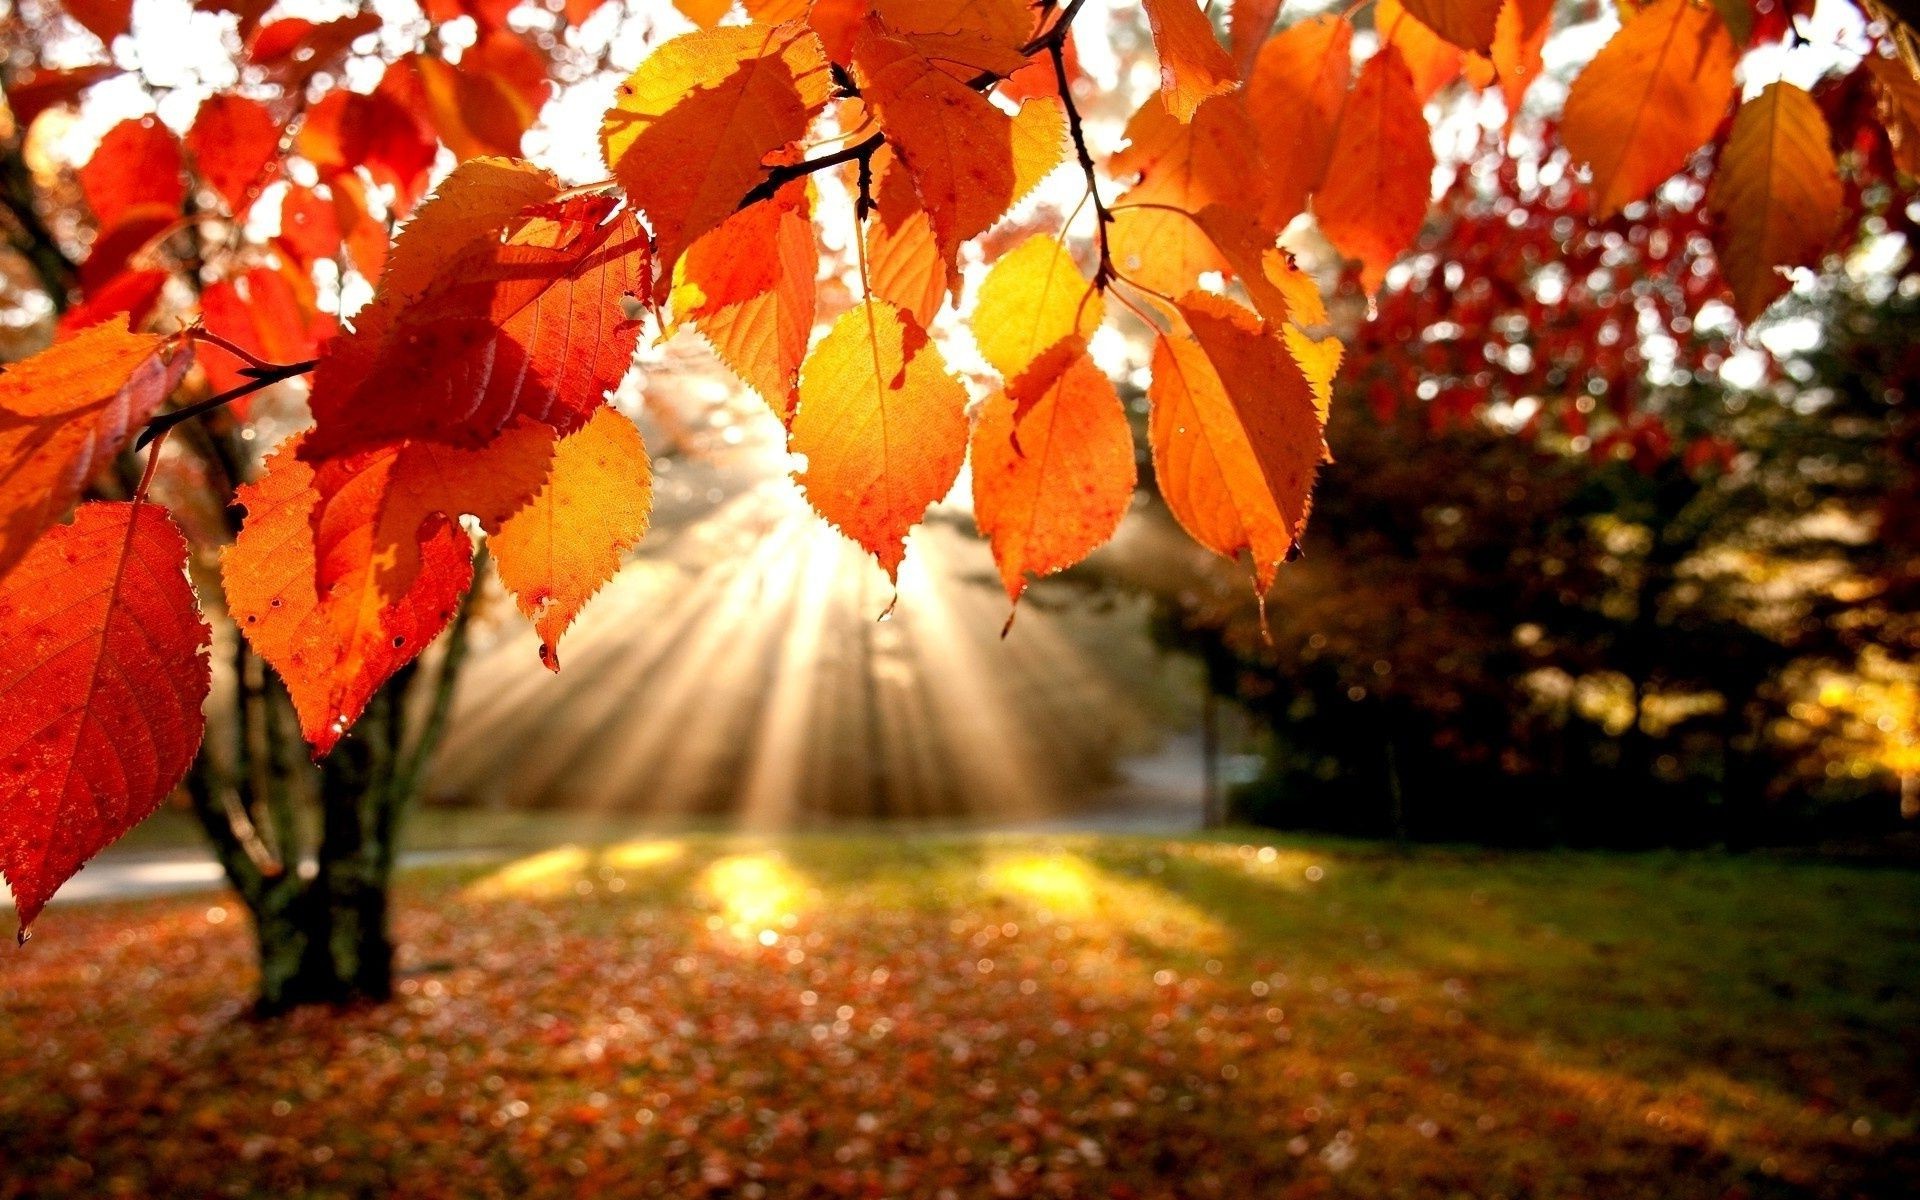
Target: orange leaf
column 555, row 553
column 964, row 38
column 233, row 140
column 340, row 579
column 1032, row 298
column 102, row 678
column 953, row 142
column 1183, row 169
column 1776, row 194
column 137, row 166
column 1468, row 24
column 1294, row 96
column 691, row 130
column 295, row 50
column 882, row 425
column 904, row 263
column 749, row 287
column 704, row 13
column 1518, row 39
column 65, row 412
column 1192, row 64
column 1431, row 60
column 364, row 235
column 521, row 321
column 1248, row 24
column 1053, row 468
column 1380, row 174
column 1651, row 97
column 1236, row 434
column 1899, row 110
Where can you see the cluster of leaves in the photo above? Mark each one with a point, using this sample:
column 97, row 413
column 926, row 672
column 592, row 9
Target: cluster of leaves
column 1089, row 1018
column 473, row 388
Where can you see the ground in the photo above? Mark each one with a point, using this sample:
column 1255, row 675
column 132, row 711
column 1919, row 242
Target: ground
column 1010, row 1016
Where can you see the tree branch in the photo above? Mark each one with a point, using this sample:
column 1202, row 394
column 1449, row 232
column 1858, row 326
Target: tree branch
column 263, row 377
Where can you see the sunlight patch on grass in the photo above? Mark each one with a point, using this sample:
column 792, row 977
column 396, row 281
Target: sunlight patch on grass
column 547, row 874
column 565, row 869
column 1063, row 886
column 758, row 894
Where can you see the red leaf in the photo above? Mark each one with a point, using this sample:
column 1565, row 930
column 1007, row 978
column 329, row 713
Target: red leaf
column 521, row 321
column 102, row 675
column 233, row 141
column 137, row 164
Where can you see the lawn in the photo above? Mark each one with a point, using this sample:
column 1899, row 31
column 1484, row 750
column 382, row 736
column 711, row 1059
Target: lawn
column 1003, row 1017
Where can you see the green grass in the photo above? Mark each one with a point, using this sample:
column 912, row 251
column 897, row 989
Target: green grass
column 1074, row 1016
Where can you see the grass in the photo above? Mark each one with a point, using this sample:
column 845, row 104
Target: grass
column 849, row 1016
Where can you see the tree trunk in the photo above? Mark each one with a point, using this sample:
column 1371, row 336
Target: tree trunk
column 321, row 924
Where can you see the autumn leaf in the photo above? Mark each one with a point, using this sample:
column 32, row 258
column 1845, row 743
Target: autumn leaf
column 136, row 168
column 1053, row 467
column 904, row 262
column 964, row 38
column 1899, row 110
column 486, row 103
column 232, row 141
column 421, row 483
column 30, row 93
column 102, row 677
column 262, row 311
column 524, row 321
column 749, row 287
column 1032, row 298
column 882, row 425
column 1294, row 96
column 65, row 412
column 690, row 132
column 1380, row 171
column 1183, row 168
column 376, row 132
column 364, row 236
column 556, row 552
column 294, row 50
column 130, row 295
column 1776, row 195
column 1468, row 24
column 105, row 19
column 309, row 227
column 1235, row 432
column 1432, row 61
column 1192, row 64
column 1651, row 97
column 1248, row 24
column 335, row 645
column 1519, row 37
column 953, row 142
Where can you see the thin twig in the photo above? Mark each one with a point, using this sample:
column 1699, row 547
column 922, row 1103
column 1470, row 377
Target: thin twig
column 266, row 378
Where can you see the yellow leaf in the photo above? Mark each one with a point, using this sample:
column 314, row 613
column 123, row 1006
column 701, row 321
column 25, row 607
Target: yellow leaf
column 882, row 425
column 1033, row 297
column 555, row 553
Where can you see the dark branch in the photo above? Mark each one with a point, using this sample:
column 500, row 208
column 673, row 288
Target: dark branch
column 263, row 377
